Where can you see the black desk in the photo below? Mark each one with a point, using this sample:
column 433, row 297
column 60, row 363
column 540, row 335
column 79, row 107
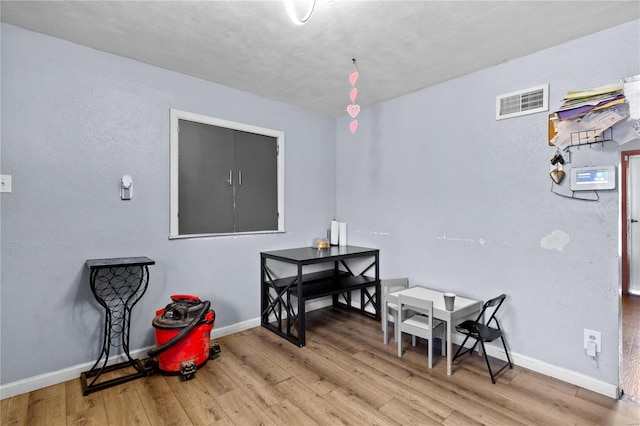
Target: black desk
column 118, row 284
column 338, row 280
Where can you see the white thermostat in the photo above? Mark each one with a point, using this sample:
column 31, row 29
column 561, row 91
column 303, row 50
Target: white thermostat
column 593, row 178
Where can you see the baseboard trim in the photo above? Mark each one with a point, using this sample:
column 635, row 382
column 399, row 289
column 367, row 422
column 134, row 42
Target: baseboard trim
column 43, row 380
column 568, row 376
column 48, row 379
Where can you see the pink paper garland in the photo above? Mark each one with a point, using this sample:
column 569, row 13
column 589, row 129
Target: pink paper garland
column 354, row 108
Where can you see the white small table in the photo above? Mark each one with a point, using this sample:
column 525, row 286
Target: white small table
column 463, row 308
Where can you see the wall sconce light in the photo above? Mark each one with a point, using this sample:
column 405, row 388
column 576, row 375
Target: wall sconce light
column 126, row 187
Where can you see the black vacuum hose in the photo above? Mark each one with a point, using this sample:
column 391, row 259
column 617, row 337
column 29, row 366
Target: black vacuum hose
column 155, row 351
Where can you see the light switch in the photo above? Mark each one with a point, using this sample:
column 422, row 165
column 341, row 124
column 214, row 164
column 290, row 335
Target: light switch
column 5, row 183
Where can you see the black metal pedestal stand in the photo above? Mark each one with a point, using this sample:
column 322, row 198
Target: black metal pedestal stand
column 118, row 284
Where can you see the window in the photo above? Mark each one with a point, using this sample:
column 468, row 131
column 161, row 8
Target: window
column 226, row 177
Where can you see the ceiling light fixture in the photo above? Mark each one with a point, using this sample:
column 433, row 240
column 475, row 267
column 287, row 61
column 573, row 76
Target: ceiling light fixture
column 291, row 11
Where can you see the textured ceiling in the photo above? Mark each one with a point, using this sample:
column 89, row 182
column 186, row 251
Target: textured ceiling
column 399, row 46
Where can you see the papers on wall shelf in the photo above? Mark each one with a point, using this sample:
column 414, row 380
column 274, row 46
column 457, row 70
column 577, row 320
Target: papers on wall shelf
column 591, row 128
column 575, row 112
column 577, row 104
column 575, row 132
column 606, row 118
column 628, row 130
column 588, row 116
column 609, row 88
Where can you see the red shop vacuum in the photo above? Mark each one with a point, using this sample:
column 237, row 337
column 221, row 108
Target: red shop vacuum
column 183, row 340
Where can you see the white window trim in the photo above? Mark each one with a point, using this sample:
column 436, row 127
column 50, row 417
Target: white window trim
column 177, row 115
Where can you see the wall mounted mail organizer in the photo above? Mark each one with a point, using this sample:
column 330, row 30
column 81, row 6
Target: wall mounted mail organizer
column 588, row 117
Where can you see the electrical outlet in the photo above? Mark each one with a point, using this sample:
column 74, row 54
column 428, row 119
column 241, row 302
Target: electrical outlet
column 595, row 337
column 5, row 183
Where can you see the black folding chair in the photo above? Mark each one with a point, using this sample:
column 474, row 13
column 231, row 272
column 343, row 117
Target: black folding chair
column 483, row 332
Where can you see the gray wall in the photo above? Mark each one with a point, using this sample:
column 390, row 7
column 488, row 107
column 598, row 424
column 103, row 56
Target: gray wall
column 74, row 120
column 459, row 201
column 453, row 198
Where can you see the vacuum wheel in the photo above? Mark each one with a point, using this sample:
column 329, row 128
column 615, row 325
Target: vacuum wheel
column 214, row 350
column 188, row 369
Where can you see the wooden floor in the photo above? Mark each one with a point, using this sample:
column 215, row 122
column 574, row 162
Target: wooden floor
column 344, row 376
column 630, row 369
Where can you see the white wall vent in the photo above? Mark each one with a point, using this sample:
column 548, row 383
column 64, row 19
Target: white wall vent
column 522, row 102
